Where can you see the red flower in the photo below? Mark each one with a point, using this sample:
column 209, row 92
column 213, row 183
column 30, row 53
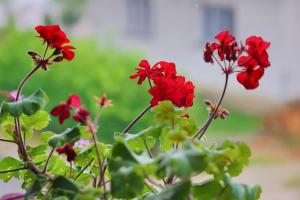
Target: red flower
column 251, row 73
column 62, row 111
column 208, row 53
column 178, row 91
column 67, row 53
column 145, row 71
column 53, row 35
column 224, row 37
column 257, row 49
column 68, row 150
column 81, row 115
column 103, row 101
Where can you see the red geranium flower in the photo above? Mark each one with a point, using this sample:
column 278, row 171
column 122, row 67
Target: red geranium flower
column 53, row 35
column 67, row 53
column 68, row 150
column 81, row 115
column 178, row 91
column 251, row 73
column 257, row 49
column 145, row 71
column 208, row 53
column 62, row 111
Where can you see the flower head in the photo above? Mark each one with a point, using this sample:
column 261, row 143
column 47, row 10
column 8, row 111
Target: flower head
column 67, row 150
column 145, row 71
column 81, row 115
column 53, row 35
column 251, row 73
column 63, row 110
column 257, row 49
column 167, row 85
column 103, row 101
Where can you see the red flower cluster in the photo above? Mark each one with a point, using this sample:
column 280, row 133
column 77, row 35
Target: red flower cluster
column 63, row 110
column 226, row 46
column 253, row 63
column 56, row 39
column 167, row 85
column 68, row 150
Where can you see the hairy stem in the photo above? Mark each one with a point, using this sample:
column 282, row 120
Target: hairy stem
column 136, row 119
column 212, row 116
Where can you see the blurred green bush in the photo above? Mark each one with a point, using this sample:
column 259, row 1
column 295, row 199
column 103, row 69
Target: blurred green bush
column 93, row 72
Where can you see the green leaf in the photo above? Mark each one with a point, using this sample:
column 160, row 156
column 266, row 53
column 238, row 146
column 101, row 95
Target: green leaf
column 125, row 170
column 178, row 191
column 7, row 127
column 38, row 154
column 230, row 157
column 166, row 113
column 137, row 141
column 36, row 187
column 46, row 135
column 9, row 163
column 182, row 162
column 242, row 191
column 27, row 106
column 63, row 186
column 68, row 136
column 87, row 153
column 37, row 121
column 207, row 191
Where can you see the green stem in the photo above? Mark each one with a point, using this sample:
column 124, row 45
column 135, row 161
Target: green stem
column 202, row 131
column 83, row 169
column 48, row 159
column 13, row 170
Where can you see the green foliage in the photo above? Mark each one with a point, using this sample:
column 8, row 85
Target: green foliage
column 68, row 136
column 9, row 163
column 27, row 106
column 226, row 190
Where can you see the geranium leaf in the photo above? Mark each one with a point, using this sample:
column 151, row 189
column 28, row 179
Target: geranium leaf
column 68, row 136
column 37, row 121
column 9, row 163
column 27, row 106
column 137, row 141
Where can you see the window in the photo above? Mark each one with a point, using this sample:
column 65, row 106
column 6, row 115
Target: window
column 138, row 17
column 216, row 19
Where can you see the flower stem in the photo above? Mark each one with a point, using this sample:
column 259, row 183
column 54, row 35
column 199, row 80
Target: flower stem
column 13, row 170
column 78, row 175
column 4, row 140
column 51, row 153
column 136, row 119
column 212, row 116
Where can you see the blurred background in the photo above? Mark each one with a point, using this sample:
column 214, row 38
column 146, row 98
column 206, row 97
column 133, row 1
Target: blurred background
column 112, row 36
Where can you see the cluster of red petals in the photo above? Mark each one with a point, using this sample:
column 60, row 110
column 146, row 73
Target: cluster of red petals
column 67, row 150
column 56, row 39
column 226, row 47
column 167, row 85
column 251, row 58
column 63, row 110
column 254, row 63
